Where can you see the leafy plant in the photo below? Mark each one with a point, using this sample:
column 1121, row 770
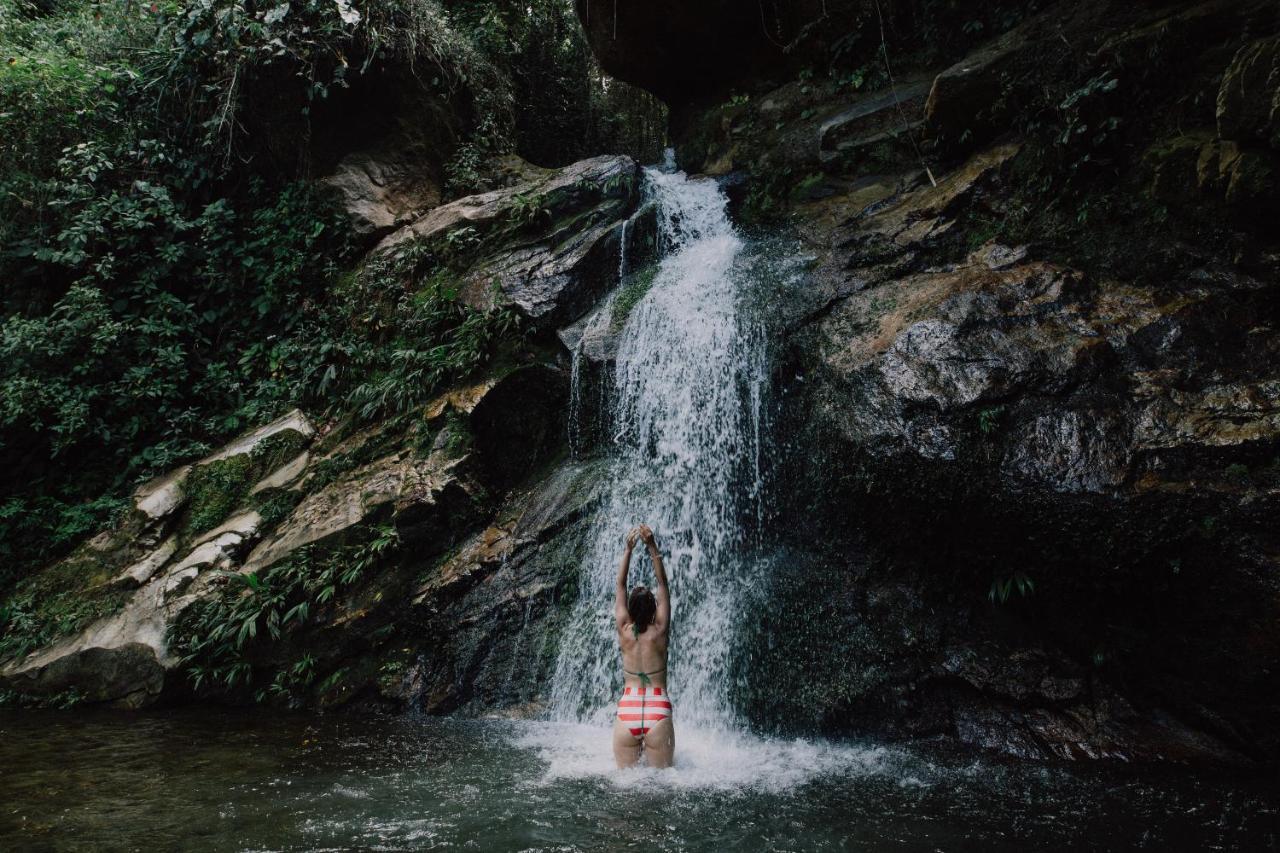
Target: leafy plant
column 529, row 209
column 989, row 419
column 1003, row 588
column 213, row 637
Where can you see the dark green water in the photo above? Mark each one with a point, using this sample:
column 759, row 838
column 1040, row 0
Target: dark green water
column 229, row 781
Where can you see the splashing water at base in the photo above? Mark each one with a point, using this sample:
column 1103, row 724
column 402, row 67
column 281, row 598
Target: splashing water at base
column 706, row 758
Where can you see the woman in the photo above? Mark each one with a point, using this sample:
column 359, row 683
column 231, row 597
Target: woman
column 643, row 724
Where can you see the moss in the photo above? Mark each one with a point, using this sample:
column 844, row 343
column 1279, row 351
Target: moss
column 631, row 293
column 58, row 601
column 275, row 450
column 275, row 505
column 213, row 491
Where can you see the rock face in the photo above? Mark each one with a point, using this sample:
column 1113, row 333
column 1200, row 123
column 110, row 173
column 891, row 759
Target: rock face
column 430, row 492
column 548, row 247
column 380, row 192
column 123, row 658
column 1075, row 449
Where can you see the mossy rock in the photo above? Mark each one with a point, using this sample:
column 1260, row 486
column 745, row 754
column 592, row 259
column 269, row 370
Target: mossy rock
column 216, row 489
column 630, row 294
column 61, row 600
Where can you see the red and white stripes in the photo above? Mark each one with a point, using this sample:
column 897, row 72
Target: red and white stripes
column 641, row 707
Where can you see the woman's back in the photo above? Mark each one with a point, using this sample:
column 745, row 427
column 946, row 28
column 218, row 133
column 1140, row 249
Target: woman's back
column 645, row 653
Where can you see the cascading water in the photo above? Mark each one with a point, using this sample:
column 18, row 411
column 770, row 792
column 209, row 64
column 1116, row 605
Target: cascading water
column 688, row 389
column 687, row 411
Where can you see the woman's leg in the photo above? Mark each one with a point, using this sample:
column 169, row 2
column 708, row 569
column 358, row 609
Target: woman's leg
column 660, row 743
column 626, row 749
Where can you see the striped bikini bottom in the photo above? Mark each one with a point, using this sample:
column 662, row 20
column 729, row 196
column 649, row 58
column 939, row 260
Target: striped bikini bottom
column 642, row 707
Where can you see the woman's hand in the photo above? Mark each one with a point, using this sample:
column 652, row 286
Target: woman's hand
column 646, row 534
column 632, row 536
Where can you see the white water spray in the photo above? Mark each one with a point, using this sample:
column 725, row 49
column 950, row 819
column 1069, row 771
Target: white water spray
column 688, row 390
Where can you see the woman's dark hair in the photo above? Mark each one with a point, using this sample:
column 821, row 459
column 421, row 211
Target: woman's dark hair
column 641, row 607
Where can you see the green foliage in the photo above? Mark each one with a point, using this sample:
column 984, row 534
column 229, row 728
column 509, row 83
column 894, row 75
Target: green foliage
column 529, row 209
column 989, row 420
column 1088, row 121
column 38, row 526
column 63, row 700
column 215, row 636
column 214, row 490
column 561, row 106
column 167, row 280
column 275, row 505
column 1003, row 588
column 429, row 336
column 631, row 293
column 171, row 338
column 457, row 432
column 54, row 603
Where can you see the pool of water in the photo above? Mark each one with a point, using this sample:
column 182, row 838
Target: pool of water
column 252, row 781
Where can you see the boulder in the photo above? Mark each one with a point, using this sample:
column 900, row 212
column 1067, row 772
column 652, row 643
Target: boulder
column 380, row 191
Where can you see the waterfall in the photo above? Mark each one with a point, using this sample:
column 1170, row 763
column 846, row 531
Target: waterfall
column 688, row 388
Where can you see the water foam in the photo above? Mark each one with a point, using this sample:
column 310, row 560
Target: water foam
column 706, row 759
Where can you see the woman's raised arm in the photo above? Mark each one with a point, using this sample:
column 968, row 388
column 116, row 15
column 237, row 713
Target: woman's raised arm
column 661, row 593
column 620, row 613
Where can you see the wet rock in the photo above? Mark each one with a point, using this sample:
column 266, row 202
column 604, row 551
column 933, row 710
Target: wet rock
column 1023, row 418
column 876, row 119
column 939, row 343
column 1071, row 451
column 549, row 247
column 497, row 604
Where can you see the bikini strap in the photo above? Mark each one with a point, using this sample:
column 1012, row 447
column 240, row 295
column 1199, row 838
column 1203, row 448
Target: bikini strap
column 644, row 676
